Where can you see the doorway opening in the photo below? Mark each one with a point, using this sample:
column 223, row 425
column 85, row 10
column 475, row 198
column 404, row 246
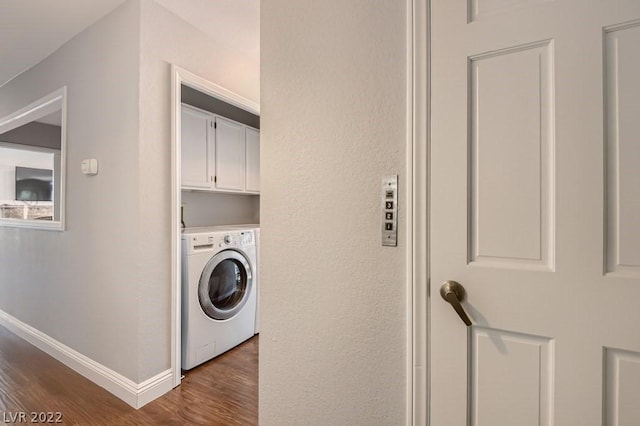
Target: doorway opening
column 215, row 186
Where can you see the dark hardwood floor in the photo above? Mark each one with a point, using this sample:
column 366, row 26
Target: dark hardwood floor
column 223, row 391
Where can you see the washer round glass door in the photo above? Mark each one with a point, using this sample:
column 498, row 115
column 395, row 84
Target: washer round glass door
column 225, row 285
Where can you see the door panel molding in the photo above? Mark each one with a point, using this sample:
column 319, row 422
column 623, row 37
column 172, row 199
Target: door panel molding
column 621, row 68
column 511, row 164
column 621, row 386
column 497, row 358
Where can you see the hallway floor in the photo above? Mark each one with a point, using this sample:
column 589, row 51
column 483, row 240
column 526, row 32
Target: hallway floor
column 221, row 392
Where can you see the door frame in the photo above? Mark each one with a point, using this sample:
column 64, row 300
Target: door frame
column 179, row 77
column 418, row 127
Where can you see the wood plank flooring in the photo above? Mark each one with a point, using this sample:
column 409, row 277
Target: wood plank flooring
column 221, row 392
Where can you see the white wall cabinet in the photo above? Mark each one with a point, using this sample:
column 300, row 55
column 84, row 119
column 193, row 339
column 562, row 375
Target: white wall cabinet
column 218, row 154
column 229, row 155
column 252, row 146
column 195, row 135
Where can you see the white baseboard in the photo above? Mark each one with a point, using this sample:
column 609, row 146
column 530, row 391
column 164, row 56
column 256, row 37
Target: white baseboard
column 134, row 394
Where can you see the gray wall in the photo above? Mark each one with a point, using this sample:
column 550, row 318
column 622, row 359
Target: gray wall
column 334, row 302
column 81, row 286
column 34, row 134
column 103, row 287
column 203, row 101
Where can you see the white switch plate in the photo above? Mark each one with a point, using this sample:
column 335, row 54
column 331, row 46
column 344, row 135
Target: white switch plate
column 89, row 166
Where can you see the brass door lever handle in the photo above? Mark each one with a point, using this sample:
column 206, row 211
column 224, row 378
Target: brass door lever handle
column 453, row 292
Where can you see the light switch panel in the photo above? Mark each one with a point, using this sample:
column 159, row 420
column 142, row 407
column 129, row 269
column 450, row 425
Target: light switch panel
column 389, row 206
column 89, row 166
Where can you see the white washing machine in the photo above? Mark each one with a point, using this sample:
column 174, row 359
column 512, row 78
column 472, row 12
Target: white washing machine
column 256, row 229
column 218, row 291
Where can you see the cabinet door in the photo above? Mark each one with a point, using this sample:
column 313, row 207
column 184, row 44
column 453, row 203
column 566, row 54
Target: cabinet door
column 252, row 139
column 230, row 155
column 194, row 152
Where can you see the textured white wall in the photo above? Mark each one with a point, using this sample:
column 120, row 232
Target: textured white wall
column 80, row 286
column 333, row 118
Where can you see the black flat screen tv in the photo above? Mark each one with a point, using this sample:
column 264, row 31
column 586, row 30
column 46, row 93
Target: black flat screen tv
column 34, row 184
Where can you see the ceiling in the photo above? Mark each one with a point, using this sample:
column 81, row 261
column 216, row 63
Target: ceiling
column 30, row 30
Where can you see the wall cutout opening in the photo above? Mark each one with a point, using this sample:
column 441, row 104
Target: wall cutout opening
column 32, row 164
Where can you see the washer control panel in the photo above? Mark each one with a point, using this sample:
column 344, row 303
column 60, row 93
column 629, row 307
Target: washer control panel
column 390, row 211
column 238, row 239
column 210, row 241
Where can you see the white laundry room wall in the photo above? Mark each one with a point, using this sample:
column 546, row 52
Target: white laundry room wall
column 207, row 209
column 334, row 301
column 166, row 39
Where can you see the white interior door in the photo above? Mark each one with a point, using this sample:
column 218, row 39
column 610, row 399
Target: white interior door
column 535, row 210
